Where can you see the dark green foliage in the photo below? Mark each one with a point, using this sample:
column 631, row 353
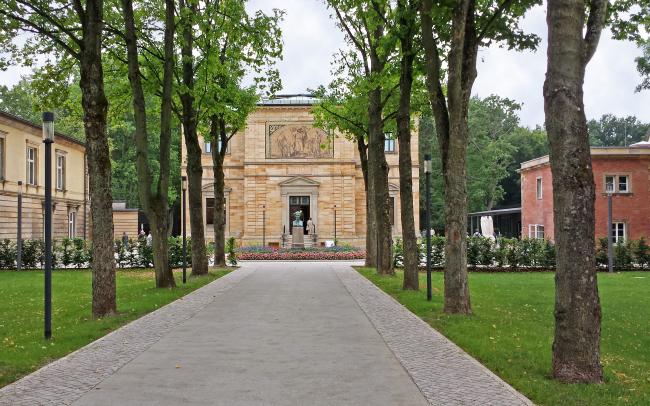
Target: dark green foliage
column 398, row 253
column 623, row 255
column 7, row 254
column 642, row 253
column 231, row 251
column 32, row 253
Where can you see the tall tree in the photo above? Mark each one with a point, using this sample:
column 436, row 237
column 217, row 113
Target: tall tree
column 610, row 130
column 154, row 202
column 343, row 110
column 233, row 44
column 188, row 114
column 576, row 345
column 406, row 28
column 365, row 26
column 452, row 33
column 72, row 36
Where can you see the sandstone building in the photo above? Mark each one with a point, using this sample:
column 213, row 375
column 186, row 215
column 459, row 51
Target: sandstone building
column 281, row 163
column 626, row 170
column 22, row 159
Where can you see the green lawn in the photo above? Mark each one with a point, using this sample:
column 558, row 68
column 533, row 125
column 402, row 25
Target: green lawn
column 22, row 347
column 511, row 332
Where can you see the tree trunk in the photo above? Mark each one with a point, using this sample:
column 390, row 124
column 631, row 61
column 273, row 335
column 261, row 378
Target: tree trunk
column 455, row 209
column 371, row 242
column 450, row 114
column 378, row 179
column 217, row 129
column 411, row 256
column 194, row 166
column 576, row 345
column 95, row 107
column 155, row 204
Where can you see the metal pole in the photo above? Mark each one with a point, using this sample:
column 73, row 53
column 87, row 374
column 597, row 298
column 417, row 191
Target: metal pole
column 428, row 231
column 610, row 239
column 264, row 226
column 19, row 236
column 335, row 226
column 184, row 240
column 48, row 238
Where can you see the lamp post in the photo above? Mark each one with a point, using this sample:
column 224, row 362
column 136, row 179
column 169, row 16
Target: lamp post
column 610, row 237
column 184, row 187
column 19, row 228
column 335, row 225
column 263, row 225
column 427, row 220
column 48, row 140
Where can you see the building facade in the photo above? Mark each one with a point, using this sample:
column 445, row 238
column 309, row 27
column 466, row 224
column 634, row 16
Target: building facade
column 626, row 170
column 22, row 160
column 281, row 163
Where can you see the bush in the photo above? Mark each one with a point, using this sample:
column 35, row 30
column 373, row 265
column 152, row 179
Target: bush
column 231, row 251
column 398, row 253
column 7, row 254
column 66, row 252
column 623, row 255
column 642, row 253
column 32, row 253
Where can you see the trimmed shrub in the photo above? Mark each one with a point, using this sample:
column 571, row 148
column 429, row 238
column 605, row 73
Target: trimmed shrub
column 623, row 255
column 7, row 254
column 231, row 251
column 642, row 253
column 398, row 253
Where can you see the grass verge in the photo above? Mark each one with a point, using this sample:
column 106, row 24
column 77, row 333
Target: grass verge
column 511, row 332
column 22, row 347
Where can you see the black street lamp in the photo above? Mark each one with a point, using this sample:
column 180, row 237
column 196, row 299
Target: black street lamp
column 427, row 221
column 335, row 225
column 184, row 187
column 19, row 231
column 610, row 237
column 48, row 140
column 263, row 225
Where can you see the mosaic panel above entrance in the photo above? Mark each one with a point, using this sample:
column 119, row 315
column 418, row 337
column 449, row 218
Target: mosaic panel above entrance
column 297, row 141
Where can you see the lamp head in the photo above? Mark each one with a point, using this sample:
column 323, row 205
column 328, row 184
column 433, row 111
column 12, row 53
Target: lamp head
column 20, row 187
column 48, row 126
column 609, row 188
column 427, row 163
column 184, row 182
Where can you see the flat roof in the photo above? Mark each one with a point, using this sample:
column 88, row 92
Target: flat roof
column 512, row 210
column 595, row 152
column 40, row 127
column 290, row 100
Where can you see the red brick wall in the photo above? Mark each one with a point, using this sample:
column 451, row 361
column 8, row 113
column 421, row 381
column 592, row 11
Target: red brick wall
column 534, row 210
column 632, row 208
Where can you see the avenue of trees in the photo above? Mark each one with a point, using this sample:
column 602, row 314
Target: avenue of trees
column 134, row 72
column 401, row 52
column 144, row 73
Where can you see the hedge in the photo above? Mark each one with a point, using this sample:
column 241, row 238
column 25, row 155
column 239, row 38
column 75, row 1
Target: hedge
column 77, row 253
column 527, row 253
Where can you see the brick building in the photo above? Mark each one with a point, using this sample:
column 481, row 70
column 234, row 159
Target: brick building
column 281, row 163
column 22, row 159
column 626, row 169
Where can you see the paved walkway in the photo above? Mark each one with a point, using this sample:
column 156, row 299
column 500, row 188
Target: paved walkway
column 291, row 333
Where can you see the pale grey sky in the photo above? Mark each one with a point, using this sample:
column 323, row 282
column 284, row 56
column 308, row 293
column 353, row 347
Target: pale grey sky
column 310, row 39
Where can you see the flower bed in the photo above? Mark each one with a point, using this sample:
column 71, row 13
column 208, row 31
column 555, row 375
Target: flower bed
column 314, row 255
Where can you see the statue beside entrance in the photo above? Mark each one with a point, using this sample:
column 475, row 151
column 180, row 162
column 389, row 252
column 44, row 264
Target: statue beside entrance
column 297, row 232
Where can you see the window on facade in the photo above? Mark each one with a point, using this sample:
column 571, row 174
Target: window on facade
column 389, row 144
column 2, row 158
column 536, row 231
column 207, row 147
column 72, row 224
column 539, row 188
column 209, row 210
column 31, row 166
column 617, row 183
column 623, row 184
column 60, row 171
column 618, row 232
column 299, row 200
column 391, row 208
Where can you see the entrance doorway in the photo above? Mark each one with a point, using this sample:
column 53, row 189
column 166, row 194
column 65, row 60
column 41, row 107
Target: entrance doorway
column 299, row 203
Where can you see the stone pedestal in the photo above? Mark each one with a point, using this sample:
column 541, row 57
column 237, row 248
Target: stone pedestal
column 297, row 237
